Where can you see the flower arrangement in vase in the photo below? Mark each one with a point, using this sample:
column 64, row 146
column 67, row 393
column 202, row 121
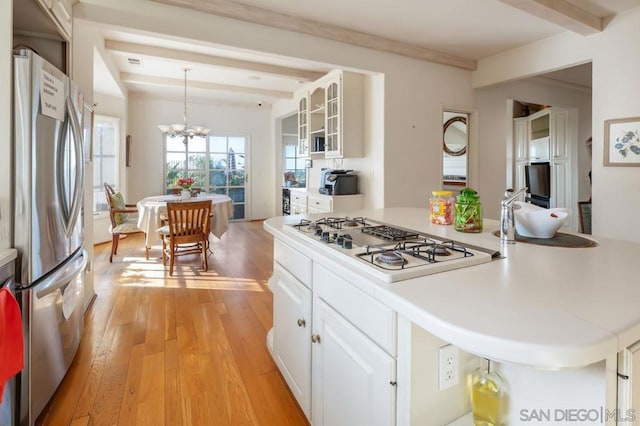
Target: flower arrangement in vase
column 185, row 184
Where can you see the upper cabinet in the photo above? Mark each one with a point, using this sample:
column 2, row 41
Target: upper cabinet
column 331, row 116
column 46, row 27
column 61, row 14
column 52, row 18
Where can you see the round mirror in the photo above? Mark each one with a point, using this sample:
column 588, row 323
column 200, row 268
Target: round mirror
column 455, row 136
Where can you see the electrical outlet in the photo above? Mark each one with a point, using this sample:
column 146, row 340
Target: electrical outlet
column 448, row 367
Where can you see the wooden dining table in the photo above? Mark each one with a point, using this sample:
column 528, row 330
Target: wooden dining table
column 151, row 208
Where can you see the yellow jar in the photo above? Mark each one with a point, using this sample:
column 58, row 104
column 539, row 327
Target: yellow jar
column 441, row 207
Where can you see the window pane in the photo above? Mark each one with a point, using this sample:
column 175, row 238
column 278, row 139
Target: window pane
column 218, row 178
column 218, row 161
column 175, row 161
column 105, row 160
column 218, row 144
column 200, row 179
column 238, row 211
column 290, row 164
column 197, row 161
column 237, row 195
column 176, row 144
column 109, row 169
column 236, row 178
column 198, row 144
column 222, row 191
column 237, row 144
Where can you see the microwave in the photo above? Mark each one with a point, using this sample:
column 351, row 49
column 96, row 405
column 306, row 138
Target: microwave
column 318, row 144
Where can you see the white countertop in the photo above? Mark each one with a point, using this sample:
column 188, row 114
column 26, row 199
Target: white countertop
column 542, row 306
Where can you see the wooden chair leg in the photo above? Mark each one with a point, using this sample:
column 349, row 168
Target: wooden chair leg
column 114, row 246
column 164, row 250
column 172, row 260
column 205, row 264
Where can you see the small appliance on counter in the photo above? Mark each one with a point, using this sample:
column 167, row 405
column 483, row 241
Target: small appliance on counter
column 338, row 182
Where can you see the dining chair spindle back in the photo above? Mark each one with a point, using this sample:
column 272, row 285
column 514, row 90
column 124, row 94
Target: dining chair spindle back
column 187, row 231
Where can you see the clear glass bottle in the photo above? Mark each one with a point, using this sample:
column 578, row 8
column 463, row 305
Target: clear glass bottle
column 468, row 211
column 441, row 207
column 488, row 397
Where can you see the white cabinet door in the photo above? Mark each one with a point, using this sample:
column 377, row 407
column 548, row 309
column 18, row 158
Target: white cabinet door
column 560, row 184
column 521, row 138
column 560, row 135
column 292, row 334
column 629, row 386
column 520, row 180
column 353, row 379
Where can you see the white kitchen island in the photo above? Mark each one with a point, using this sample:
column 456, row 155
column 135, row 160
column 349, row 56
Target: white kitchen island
column 555, row 320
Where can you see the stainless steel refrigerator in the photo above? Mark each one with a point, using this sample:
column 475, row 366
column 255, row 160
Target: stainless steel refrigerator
column 47, row 215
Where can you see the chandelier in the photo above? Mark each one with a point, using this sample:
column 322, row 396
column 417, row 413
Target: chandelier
column 183, row 130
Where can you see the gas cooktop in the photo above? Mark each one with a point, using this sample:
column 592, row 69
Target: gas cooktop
column 388, row 252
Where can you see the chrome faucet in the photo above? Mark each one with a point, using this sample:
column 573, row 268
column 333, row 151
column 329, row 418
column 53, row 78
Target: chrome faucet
column 507, row 219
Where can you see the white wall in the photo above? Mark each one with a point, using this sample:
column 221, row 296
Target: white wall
column 616, row 198
column 146, row 175
column 6, row 121
column 616, row 194
column 495, row 132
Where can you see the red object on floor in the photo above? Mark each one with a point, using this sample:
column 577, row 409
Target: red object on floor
column 11, row 339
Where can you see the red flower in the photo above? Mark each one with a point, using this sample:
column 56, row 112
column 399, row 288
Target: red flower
column 185, row 183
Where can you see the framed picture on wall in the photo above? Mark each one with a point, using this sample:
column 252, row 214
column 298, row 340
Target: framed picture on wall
column 128, row 151
column 622, row 142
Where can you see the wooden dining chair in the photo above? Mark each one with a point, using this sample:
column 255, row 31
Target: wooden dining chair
column 121, row 223
column 187, row 231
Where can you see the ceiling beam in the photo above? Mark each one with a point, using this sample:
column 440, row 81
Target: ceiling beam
column 131, row 78
column 257, row 15
column 560, row 12
column 125, row 48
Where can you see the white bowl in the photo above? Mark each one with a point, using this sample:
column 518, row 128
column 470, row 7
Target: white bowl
column 537, row 222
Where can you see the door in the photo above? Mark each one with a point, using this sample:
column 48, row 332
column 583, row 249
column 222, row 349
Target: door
column 353, row 379
column 49, row 165
column 228, row 172
column 291, row 335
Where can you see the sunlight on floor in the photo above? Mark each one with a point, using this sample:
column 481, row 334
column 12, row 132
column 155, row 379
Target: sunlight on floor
column 152, row 273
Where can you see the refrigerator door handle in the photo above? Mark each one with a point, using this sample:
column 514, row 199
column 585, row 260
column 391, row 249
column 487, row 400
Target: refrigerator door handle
column 63, row 277
column 76, row 203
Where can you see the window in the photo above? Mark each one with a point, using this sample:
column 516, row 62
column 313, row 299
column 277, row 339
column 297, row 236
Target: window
column 184, row 160
column 106, row 134
column 294, row 168
column 216, row 163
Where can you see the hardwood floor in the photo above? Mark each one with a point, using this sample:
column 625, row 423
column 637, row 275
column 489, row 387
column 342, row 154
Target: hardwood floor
column 182, row 350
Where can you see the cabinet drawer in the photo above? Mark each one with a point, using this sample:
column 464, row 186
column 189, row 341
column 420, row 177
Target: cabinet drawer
column 370, row 316
column 299, row 198
column 293, row 261
column 320, row 203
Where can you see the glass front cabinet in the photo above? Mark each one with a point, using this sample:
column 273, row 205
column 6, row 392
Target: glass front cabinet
column 331, row 117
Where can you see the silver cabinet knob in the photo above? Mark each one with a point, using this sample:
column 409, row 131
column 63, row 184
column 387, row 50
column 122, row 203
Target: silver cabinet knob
column 302, row 323
column 315, row 338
